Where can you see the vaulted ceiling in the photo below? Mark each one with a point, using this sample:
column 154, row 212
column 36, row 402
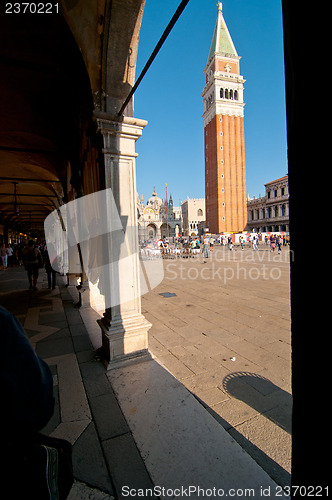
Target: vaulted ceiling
column 55, row 70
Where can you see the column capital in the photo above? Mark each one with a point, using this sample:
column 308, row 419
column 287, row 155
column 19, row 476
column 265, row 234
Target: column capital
column 108, row 123
column 120, row 133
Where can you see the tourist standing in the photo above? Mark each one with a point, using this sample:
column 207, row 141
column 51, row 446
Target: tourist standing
column 51, row 274
column 211, row 243
column 3, row 256
column 32, row 261
column 10, row 255
column 206, row 247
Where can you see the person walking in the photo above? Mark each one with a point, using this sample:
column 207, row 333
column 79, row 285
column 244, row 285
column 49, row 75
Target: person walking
column 279, row 242
column 206, row 247
column 3, row 256
column 10, row 255
column 32, row 260
column 51, row 274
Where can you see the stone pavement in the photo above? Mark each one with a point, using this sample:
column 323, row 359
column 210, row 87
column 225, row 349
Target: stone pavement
column 219, row 383
column 221, row 326
column 86, row 412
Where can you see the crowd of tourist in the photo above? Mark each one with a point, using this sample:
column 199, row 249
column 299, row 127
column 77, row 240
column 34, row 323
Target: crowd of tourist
column 33, row 256
column 193, row 245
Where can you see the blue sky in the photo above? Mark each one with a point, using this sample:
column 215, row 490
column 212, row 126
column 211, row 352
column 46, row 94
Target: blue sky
column 171, row 148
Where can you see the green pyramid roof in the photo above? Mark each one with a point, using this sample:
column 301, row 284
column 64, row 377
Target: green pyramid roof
column 221, row 40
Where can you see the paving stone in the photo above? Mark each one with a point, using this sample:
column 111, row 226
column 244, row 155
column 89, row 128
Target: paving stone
column 176, row 366
column 126, row 464
column 88, row 461
column 48, row 348
column 50, row 317
column 73, row 316
column 108, row 416
column 267, row 443
column 95, row 380
column 81, row 343
column 81, row 491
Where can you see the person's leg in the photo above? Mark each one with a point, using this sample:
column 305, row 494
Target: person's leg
column 53, row 279
column 35, row 277
column 49, row 280
column 29, row 270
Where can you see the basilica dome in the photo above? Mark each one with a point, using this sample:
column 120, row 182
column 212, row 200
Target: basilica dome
column 154, row 200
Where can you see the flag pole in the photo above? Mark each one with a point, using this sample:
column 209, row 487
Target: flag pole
column 167, row 213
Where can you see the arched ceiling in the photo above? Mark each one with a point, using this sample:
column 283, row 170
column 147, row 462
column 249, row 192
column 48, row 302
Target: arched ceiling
column 55, row 71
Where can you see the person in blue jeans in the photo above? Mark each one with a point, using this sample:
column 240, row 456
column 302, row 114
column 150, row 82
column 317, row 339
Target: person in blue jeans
column 206, row 247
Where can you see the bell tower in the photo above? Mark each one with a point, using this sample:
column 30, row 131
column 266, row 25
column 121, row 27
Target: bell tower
column 225, row 173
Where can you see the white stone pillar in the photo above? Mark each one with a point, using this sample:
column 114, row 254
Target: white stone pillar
column 124, row 328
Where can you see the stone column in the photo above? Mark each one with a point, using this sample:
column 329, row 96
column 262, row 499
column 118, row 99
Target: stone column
column 124, row 328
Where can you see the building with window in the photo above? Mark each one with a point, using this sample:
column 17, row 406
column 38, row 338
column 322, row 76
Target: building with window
column 270, row 213
column 193, row 215
column 157, row 218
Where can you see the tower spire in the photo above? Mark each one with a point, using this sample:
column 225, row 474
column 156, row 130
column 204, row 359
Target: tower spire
column 222, row 42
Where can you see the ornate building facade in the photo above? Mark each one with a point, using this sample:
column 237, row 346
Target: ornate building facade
column 225, row 175
column 157, row 218
column 270, row 213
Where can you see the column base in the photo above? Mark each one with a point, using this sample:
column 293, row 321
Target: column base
column 124, row 340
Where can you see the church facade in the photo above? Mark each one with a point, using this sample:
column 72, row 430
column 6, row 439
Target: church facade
column 225, row 174
column 157, row 219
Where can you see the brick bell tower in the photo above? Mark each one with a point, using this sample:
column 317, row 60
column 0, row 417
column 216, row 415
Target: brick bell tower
column 225, row 172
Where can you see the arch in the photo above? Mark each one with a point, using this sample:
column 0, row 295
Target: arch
column 46, row 104
column 151, row 231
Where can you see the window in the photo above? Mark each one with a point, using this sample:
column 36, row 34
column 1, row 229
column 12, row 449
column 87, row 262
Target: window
column 199, row 212
column 221, row 93
column 236, row 95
